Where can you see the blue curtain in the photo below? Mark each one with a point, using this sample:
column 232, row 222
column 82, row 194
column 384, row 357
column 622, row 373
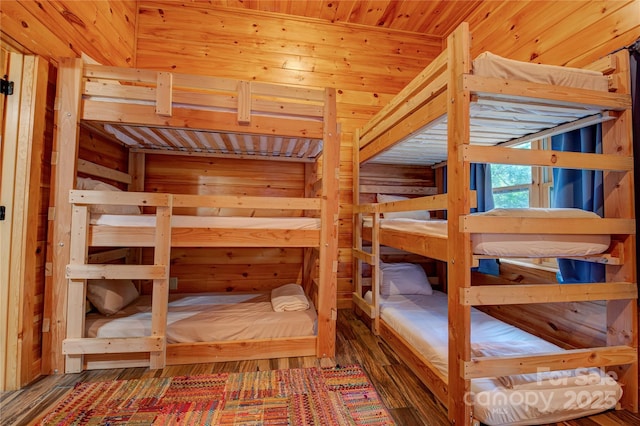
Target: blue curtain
column 579, row 189
column 481, row 183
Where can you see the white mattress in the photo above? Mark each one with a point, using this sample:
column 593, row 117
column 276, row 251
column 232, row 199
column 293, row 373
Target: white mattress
column 177, row 221
column 518, row 400
column 488, row 64
column 514, row 245
column 207, row 317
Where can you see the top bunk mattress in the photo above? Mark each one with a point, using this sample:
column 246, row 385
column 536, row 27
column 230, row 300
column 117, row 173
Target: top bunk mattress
column 526, row 399
column 207, row 317
column 488, row 64
column 513, row 245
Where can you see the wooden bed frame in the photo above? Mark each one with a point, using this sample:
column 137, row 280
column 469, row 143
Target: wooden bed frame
column 200, row 112
column 447, row 86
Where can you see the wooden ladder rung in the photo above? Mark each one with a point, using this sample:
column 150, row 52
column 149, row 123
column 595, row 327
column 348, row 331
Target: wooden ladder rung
column 101, row 271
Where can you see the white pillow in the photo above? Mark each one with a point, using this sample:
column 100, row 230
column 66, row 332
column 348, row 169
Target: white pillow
column 96, row 185
column 403, row 278
column 289, row 297
column 109, row 296
column 417, row 214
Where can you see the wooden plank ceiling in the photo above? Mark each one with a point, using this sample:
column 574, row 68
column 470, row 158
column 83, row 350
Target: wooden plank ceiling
column 432, row 17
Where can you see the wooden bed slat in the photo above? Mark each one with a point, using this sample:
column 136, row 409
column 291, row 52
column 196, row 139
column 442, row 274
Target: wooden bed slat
column 234, row 201
column 97, row 170
column 113, row 272
column 364, row 256
column 546, row 293
column 564, row 360
column 118, row 198
column 112, row 345
column 548, row 158
column 537, row 92
column 436, row 67
column 193, row 353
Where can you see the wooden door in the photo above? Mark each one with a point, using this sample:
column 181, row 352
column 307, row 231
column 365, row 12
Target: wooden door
column 21, row 148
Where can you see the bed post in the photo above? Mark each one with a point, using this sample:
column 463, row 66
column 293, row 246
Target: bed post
column 357, row 216
column 622, row 315
column 459, row 243
column 64, row 164
column 327, row 283
column 136, row 169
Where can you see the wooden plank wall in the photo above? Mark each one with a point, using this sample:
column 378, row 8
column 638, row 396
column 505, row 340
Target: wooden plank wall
column 228, row 269
column 103, row 30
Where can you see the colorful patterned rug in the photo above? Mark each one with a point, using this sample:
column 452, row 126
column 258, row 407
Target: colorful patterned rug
column 302, row 396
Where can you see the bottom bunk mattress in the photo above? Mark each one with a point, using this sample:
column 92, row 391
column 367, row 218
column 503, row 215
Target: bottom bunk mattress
column 526, row 399
column 207, row 317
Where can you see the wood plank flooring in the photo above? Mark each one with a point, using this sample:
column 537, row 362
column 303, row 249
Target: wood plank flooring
column 407, row 399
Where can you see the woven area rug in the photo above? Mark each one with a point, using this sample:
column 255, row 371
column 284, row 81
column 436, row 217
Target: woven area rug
column 302, row 396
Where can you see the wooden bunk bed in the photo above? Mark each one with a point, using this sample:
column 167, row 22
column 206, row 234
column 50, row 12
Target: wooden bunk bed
column 175, row 114
column 439, row 117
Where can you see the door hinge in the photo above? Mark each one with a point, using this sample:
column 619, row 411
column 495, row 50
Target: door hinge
column 6, row 86
column 2, row 210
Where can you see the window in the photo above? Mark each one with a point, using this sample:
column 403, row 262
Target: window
column 524, row 186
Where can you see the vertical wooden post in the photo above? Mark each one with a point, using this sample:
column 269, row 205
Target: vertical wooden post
column 76, row 293
column 310, row 254
column 375, row 271
column 244, row 102
column 164, row 94
column 64, row 163
column 357, row 217
column 160, row 295
column 136, row 169
column 622, row 315
column 459, row 243
column 327, row 283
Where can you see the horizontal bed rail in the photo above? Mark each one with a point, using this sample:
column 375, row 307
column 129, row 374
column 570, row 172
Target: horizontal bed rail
column 429, row 83
column 92, row 197
column 525, row 91
column 546, row 293
column 499, row 366
column 546, row 158
column 114, row 272
column 112, row 345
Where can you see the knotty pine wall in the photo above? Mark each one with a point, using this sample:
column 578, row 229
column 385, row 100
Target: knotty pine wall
column 103, row 30
column 228, row 269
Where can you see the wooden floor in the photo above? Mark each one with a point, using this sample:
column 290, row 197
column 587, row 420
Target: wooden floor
column 409, row 402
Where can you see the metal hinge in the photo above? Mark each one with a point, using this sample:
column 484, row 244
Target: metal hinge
column 2, row 212
column 6, row 86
